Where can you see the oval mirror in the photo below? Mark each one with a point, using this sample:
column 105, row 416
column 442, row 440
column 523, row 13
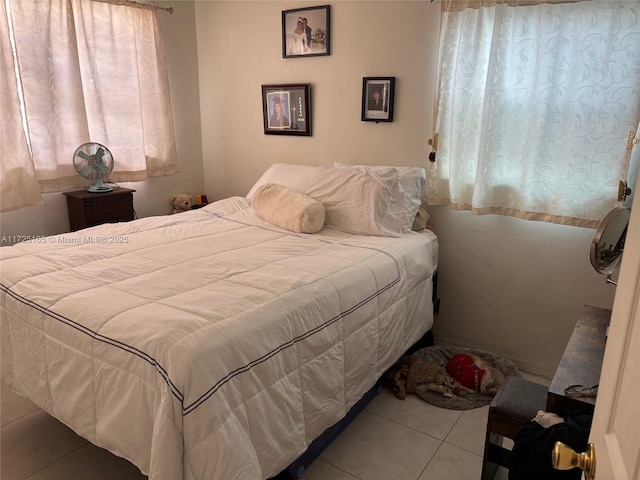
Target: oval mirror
column 608, row 242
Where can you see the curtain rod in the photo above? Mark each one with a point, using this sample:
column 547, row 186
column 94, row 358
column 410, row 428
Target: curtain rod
column 133, row 3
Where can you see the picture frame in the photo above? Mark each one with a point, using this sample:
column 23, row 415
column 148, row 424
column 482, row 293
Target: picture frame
column 306, row 32
column 377, row 99
column 286, row 109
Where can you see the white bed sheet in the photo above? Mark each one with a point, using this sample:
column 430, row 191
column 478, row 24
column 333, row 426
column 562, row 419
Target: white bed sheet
column 208, row 344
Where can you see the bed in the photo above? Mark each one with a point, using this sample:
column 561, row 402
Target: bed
column 211, row 343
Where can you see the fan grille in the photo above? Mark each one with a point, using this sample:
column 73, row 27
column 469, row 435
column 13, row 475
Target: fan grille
column 94, row 161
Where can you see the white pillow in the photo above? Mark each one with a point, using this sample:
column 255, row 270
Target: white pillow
column 296, row 177
column 412, row 194
column 358, row 201
column 288, row 209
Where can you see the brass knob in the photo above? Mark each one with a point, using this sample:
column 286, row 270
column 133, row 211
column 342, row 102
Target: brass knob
column 564, row 457
column 623, row 191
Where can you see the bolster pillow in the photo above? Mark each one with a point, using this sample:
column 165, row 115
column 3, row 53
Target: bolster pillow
column 288, row 209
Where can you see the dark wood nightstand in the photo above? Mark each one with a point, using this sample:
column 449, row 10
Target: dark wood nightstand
column 87, row 209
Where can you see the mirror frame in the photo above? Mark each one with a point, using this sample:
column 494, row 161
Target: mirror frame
column 596, row 252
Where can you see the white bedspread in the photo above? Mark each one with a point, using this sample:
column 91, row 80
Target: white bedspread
column 208, row 344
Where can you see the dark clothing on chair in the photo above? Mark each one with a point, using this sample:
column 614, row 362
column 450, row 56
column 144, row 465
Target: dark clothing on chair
column 531, row 454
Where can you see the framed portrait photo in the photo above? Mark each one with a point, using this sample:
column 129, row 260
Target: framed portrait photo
column 286, row 109
column 306, row 32
column 377, row 99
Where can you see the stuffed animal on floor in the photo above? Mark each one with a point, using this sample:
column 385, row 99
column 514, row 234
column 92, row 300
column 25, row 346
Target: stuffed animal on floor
column 409, row 372
column 181, row 203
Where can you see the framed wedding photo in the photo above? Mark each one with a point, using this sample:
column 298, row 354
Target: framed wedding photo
column 377, row 99
column 286, row 109
column 306, row 32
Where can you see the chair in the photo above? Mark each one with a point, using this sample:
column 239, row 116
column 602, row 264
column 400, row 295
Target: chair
column 516, row 404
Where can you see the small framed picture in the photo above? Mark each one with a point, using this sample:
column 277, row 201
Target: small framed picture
column 377, row 99
column 306, row 32
column 286, row 109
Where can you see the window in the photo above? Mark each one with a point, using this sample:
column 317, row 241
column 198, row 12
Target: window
column 75, row 71
column 534, row 108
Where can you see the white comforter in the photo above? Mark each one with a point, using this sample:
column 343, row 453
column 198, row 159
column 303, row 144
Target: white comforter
column 209, row 344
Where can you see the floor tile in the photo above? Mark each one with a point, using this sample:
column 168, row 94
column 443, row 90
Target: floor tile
column 391, row 439
column 91, row 462
column 453, row 463
column 375, row 448
column 32, row 442
column 470, row 430
column 320, row 470
column 13, row 406
column 415, row 413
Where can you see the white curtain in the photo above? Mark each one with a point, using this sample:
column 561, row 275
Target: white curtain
column 90, row 71
column 534, row 108
column 18, row 181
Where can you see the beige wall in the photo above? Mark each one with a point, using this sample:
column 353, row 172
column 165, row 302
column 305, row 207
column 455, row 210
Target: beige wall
column 508, row 286
column 513, row 287
column 152, row 196
column 240, row 49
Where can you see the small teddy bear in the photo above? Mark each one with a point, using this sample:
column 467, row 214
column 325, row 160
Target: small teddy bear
column 181, row 203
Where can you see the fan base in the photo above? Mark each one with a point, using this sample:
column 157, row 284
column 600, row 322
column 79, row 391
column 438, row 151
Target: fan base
column 99, row 189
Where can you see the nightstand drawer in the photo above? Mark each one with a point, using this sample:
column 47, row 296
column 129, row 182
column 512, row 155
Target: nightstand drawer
column 111, row 209
column 111, row 215
column 87, row 209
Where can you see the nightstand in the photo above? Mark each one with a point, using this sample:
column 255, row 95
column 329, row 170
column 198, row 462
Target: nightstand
column 87, row 209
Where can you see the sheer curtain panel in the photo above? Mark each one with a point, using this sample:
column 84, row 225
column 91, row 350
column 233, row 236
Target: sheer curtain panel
column 17, row 174
column 534, row 107
column 90, row 71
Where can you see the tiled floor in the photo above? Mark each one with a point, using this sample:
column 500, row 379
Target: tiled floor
column 390, row 440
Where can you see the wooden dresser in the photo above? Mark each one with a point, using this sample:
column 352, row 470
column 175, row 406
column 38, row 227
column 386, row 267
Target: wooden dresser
column 582, row 360
column 87, row 209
